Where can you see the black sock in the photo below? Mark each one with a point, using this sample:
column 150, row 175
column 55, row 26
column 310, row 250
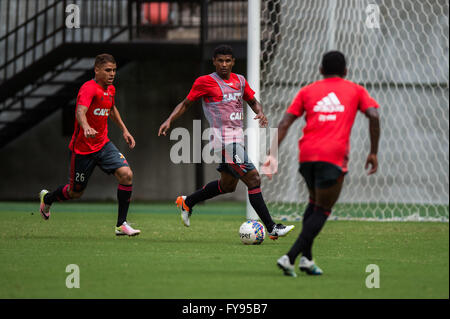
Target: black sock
column 258, row 204
column 310, row 230
column 307, row 245
column 208, row 191
column 123, row 197
column 60, row 194
column 309, row 210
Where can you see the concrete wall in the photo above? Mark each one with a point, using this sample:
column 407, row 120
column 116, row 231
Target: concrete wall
column 146, row 94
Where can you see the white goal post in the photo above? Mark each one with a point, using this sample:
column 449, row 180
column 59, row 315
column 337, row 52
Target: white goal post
column 253, row 77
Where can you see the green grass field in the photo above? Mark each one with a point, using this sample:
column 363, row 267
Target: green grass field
column 208, row 260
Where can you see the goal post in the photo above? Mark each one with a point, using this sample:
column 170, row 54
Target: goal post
column 253, row 77
column 397, row 50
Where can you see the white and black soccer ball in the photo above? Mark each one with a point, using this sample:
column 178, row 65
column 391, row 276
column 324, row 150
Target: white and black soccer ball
column 252, row 232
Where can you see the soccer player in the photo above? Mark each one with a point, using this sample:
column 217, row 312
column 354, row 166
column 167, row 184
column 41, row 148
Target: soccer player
column 222, row 94
column 330, row 106
column 91, row 147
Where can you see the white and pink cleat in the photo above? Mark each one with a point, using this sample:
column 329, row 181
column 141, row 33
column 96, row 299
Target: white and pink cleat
column 126, row 229
column 44, row 209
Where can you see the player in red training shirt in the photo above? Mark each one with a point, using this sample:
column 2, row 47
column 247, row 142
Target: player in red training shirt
column 222, row 94
column 330, row 106
column 91, row 147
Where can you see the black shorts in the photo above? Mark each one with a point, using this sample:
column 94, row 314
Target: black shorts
column 320, row 174
column 235, row 160
column 81, row 166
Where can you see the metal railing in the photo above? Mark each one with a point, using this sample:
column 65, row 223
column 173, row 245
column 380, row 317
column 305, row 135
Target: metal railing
column 187, row 20
column 30, row 29
column 34, row 35
column 33, row 28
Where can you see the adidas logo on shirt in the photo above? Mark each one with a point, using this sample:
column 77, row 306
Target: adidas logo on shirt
column 329, row 104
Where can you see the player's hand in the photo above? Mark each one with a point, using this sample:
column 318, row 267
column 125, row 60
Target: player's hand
column 90, row 132
column 164, row 128
column 129, row 139
column 270, row 166
column 262, row 119
column 372, row 161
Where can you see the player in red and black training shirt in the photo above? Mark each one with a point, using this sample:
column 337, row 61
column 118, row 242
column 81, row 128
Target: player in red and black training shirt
column 222, row 94
column 330, row 106
column 91, row 147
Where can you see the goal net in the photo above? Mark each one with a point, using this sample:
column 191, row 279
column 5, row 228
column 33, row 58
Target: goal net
column 399, row 51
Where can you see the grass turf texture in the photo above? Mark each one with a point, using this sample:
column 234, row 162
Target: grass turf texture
column 208, row 260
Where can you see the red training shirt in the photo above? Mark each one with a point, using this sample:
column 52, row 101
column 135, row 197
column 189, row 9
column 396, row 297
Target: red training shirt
column 206, row 87
column 99, row 102
column 330, row 107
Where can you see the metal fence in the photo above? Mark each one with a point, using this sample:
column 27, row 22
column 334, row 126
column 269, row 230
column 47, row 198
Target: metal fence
column 30, row 29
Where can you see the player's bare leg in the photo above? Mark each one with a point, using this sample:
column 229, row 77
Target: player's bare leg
column 253, row 182
column 327, row 197
column 124, row 176
column 252, row 179
column 228, row 182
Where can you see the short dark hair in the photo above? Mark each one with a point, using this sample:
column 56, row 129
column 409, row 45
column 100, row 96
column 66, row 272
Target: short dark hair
column 103, row 58
column 224, row 50
column 333, row 62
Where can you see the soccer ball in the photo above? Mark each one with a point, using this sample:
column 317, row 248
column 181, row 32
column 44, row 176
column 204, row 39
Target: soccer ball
column 252, row 232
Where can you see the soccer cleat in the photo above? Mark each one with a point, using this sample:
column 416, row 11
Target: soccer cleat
column 279, row 230
column 126, row 229
column 185, row 210
column 309, row 267
column 44, row 209
column 284, row 264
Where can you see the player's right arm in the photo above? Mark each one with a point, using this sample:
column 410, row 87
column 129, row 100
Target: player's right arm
column 179, row 110
column 84, row 99
column 82, row 120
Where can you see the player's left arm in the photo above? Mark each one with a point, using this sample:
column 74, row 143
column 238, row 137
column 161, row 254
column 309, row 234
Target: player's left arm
column 115, row 117
column 374, row 132
column 270, row 165
column 294, row 111
column 257, row 108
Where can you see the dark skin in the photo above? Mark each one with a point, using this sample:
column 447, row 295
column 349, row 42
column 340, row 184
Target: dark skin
column 327, row 197
column 223, row 64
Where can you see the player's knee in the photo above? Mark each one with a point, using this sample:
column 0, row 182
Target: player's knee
column 126, row 176
column 129, row 177
column 254, row 181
